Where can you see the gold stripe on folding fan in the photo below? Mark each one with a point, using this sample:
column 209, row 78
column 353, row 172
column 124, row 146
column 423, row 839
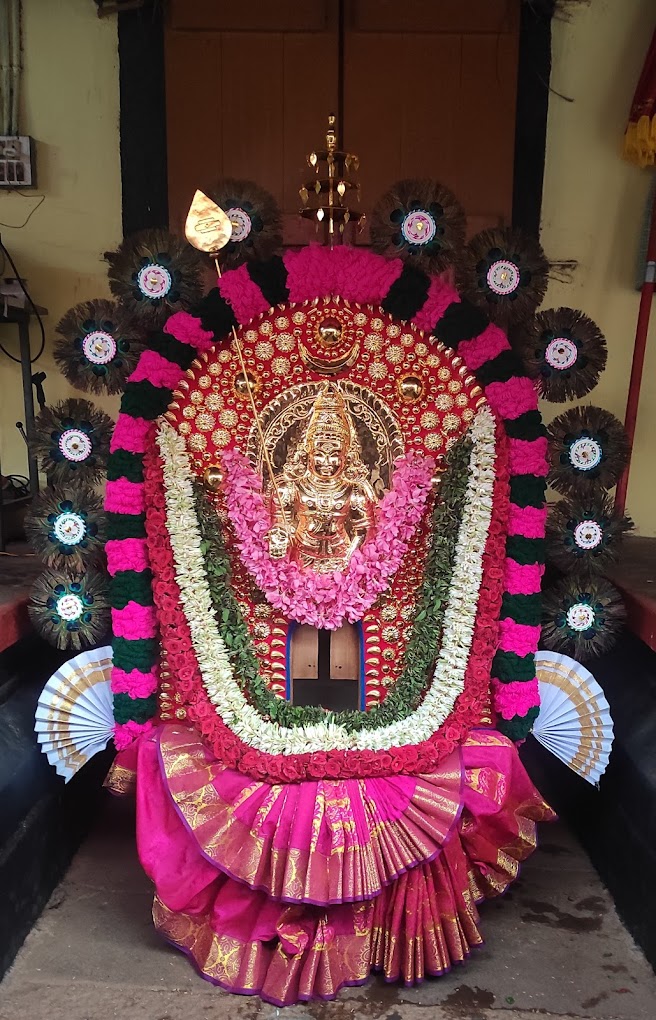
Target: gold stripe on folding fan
column 574, row 721
column 74, row 718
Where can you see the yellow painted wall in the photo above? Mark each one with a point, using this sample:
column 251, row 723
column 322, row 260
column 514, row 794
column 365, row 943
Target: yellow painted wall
column 70, row 106
column 594, row 207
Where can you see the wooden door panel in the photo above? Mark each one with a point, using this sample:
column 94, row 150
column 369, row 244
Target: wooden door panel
column 267, row 16
column 433, row 16
column 253, row 103
column 429, row 90
column 435, row 101
column 253, row 110
column 486, row 117
column 194, row 128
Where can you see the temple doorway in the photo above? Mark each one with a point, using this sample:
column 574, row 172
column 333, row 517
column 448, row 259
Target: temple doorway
column 325, row 667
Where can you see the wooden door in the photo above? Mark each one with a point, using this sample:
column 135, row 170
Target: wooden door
column 248, row 91
column 427, row 89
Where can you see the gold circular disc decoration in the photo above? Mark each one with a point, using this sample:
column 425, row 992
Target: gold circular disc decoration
column 244, row 382
column 410, row 388
column 212, row 477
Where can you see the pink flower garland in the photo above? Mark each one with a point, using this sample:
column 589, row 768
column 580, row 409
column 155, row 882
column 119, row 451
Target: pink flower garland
column 326, row 600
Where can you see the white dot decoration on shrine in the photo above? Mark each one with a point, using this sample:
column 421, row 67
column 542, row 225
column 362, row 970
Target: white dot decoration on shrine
column 69, row 528
column 561, row 353
column 418, row 227
column 585, row 453
column 75, row 445
column 69, row 607
column 241, row 224
column 99, row 347
column 588, row 535
column 154, row 281
column 580, row 617
column 503, row 277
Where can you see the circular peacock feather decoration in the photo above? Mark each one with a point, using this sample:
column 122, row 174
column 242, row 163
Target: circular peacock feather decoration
column 98, row 346
column 66, row 526
column 505, row 272
column 255, row 218
column 581, row 617
column 70, row 611
column 154, row 274
column 565, row 351
column 588, row 450
column 585, row 534
column 71, row 439
column 421, row 222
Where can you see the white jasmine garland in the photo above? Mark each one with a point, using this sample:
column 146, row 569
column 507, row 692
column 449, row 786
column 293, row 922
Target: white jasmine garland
column 213, row 660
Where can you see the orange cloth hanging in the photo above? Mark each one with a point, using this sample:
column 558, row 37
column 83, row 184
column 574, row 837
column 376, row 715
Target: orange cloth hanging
column 640, row 134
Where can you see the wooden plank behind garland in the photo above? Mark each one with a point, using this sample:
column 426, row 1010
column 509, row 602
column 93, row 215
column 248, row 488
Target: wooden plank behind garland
column 429, row 89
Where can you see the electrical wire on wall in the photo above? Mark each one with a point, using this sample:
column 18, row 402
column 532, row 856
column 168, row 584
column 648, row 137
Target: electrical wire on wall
column 10, row 77
column 22, row 286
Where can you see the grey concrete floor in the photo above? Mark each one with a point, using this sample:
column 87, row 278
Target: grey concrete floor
column 556, row 949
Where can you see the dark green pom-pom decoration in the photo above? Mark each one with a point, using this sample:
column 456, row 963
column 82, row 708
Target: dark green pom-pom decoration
column 588, row 450
column 581, row 617
column 98, row 346
column 66, row 526
column 70, row 611
column 585, row 534
column 256, row 221
column 565, row 351
column 71, row 440
column 421, row 222
column 505, row 272
column 154, row 274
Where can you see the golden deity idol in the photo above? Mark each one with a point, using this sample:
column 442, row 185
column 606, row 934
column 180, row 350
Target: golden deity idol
column 324, row 505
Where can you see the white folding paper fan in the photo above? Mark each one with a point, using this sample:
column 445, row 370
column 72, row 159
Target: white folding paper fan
column 574, row 721
column 74, row 718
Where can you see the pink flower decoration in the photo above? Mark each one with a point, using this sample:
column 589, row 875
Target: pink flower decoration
column 124, row 497
column 440, row 296
column 521, row 638
column 188, row 330
column 246, row 298
column 354, row 274
column 126, row 733
column 515, row 698
column 126, row 554
column 528, row 521
column 134, row 621
column 326, row 600
column 490, row 343
column 135, row 683
column 157, row 370
column 529, row 457
column 523, row 579
column 131, row 434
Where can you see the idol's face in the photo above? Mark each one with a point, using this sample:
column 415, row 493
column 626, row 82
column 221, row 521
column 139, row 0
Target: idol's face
column 327, row 458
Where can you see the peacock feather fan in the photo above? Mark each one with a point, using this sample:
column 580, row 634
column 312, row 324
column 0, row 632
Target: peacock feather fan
column 588, row 450
column 421, row 222
column 154, row 273
column 585, row 534
column 66, row 526
column 505, row 272
column 70, row 610
column 98, row 346
column 564, row 350
column 256, row 221
column 71, row 440
column 581, row 617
